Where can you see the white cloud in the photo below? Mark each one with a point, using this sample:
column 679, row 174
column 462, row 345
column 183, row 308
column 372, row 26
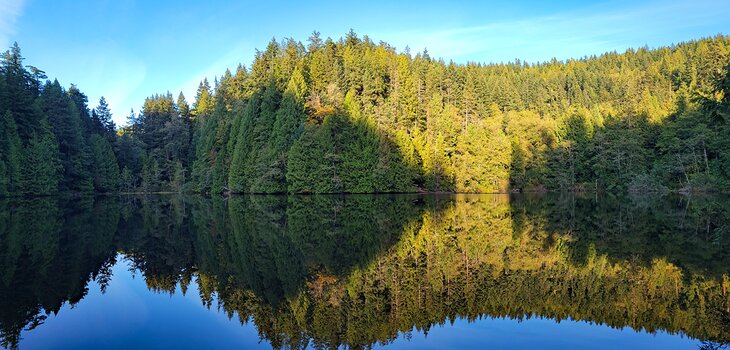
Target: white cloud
column 10, row 10
column 583, row 31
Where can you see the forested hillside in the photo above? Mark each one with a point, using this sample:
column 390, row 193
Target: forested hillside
column 350, row 115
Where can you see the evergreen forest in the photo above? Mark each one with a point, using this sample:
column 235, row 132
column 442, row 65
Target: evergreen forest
column 354, row 116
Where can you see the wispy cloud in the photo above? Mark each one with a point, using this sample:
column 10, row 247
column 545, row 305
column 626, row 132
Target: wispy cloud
column 584, row 31
column 10, row 10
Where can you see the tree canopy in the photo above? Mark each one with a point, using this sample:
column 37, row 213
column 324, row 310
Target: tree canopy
column 352, row 116
column 50, row 141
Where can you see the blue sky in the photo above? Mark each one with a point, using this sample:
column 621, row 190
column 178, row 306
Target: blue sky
column 126, row 50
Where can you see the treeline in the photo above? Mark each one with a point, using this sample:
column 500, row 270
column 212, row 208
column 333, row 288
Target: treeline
column 50, row 141
column 354, row 116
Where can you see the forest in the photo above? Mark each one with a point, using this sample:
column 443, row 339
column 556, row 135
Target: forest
column 353, row 116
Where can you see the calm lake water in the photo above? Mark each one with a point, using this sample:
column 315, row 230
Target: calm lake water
column 390, row 271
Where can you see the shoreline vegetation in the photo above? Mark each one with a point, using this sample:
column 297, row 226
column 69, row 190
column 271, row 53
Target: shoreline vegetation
column 232, row 194
column 353, row 116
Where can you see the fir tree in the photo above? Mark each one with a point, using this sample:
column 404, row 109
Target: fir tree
column 11, row 155
column 106, row 169
column 40, row 173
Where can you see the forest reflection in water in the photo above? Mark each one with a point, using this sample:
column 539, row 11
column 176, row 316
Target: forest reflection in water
column 355, row 271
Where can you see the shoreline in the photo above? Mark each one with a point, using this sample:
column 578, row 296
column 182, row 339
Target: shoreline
column 229, row 194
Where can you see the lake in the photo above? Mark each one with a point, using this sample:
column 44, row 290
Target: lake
column 366, row 271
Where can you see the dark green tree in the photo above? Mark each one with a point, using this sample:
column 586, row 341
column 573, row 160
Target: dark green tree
column 40, row 174
column 11, row 155
column 106, row 169
column 73, row 151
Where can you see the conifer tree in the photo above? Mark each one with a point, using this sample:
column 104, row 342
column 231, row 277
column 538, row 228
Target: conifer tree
column 11, row 155
column 73, row 150
column 40, row 174
column 106, row 169
column 102, row 119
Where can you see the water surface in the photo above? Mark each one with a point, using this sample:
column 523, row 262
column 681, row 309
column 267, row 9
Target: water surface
column 391, row 271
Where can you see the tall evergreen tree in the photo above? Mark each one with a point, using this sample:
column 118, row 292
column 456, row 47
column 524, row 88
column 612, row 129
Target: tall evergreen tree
column 102, row 119
column 106, row 170
column 11, row 155
column 19, row 93
column 40, row 174
column 66, row 123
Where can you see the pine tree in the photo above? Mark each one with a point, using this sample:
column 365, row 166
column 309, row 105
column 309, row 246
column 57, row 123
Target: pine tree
column 240, row 172
column 73, row 150
column 150, row 175
column 307, row 171
column 287, row 127
column 182, row 105
column 204, row 103
column 11, row 155
column 126, row 180
column 102, row 119
column 19, row 94
column 106, row 169
column 40, row 173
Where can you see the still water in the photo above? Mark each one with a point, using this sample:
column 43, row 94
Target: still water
column 380, row 271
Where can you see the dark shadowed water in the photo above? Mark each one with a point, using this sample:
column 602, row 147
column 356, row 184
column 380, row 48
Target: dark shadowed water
column 393, row 271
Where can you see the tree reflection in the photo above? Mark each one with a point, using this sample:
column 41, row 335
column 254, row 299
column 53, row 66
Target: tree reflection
column 328, row 271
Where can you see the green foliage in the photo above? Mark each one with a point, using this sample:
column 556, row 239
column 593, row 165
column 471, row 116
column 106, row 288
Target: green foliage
column 101, row 119
column 11, row 155
column 20, row 91
column 240, row 173
column 73, row 151
column 106, row 169
column 48, row 137
column 203, row 100
column 126, row 180
column 338, row 156
column 164, row 138
column 354, row 116
column 576, row 125
column 307, row 172
column 151, row 175
column 39, row 174
column 483, row 158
